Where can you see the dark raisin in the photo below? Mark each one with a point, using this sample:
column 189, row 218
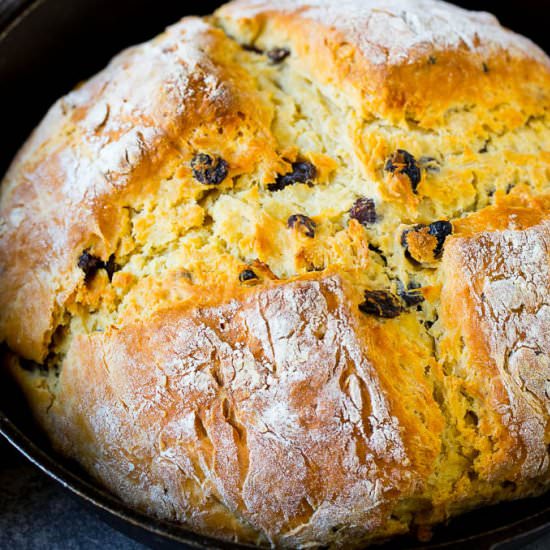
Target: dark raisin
column 485, row 147
column 89, row 264
column 410, row 295
column 247, row 275
column 432, row 60
column 485, row 68
column 303, row 223
column 428, row 324
column 440, row 230
column 381, row 304
column 251, row 48
column 364, row 211
column 302, row 172
column 208, row 170
column 424, row 243
column 402, row 162
column 277, row 55
column 111, row 267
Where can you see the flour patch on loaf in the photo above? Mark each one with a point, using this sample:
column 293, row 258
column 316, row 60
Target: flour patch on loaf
column 127, row 91
column 397, row 31
column 511, row 302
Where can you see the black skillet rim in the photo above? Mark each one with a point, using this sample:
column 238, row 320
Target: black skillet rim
column 513, row 534
column 133, row 522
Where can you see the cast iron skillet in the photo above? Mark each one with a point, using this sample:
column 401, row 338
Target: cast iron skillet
column 46, row 46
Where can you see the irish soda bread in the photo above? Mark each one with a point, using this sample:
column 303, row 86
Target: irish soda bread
column 282, row 273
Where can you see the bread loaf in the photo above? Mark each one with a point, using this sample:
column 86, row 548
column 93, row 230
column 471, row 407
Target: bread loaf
column 282, row 274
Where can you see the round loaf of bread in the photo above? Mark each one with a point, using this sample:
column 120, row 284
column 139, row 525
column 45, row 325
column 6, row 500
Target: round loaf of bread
column 282, row 274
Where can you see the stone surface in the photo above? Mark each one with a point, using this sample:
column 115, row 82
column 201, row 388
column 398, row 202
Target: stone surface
column 36, row 513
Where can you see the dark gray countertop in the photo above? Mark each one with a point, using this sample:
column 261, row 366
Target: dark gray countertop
column 36, row 513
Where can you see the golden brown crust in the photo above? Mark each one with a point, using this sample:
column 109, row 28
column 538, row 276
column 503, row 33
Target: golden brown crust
column 400, row 60
column 291, row 352
column 249, row 406
column 98, row 147
column 496, row 317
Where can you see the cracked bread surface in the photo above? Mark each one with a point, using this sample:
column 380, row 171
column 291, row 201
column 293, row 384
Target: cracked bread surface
column 282, row 274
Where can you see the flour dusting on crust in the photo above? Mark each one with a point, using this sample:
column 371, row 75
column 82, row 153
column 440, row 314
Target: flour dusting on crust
column 398, row 31
column 275, row 413
column 507, row 277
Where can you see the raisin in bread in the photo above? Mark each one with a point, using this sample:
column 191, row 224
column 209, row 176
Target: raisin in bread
column 282, row 273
